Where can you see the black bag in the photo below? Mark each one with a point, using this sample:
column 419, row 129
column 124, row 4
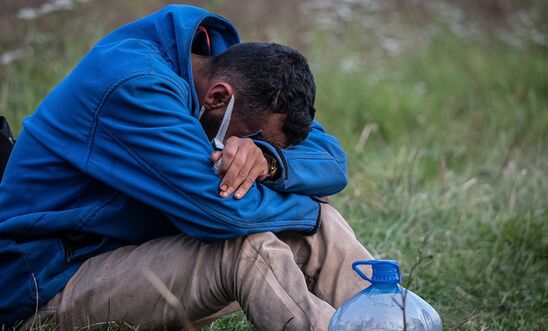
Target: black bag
column 6, row 144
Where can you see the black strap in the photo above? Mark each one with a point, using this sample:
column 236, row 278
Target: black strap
column 6, row 144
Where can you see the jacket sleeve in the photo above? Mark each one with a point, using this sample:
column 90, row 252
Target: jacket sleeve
column 147, row 145
column 316, row 166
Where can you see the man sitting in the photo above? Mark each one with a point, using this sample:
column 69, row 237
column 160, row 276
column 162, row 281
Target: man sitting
column 165, row 189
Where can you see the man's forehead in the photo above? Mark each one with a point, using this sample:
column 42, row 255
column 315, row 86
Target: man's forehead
column 271, row 128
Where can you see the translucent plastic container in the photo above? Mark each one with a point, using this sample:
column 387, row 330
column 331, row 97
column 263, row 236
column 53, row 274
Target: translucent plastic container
column 381, row 306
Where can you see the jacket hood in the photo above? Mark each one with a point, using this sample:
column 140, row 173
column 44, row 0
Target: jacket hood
column 173, row 28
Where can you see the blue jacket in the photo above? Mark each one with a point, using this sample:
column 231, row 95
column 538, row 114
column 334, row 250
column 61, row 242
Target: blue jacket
column 114, row 155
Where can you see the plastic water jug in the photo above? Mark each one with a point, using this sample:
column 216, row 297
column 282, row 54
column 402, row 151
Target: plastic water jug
column 382, row 305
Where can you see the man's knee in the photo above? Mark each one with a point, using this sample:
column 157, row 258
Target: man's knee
column 266, row 244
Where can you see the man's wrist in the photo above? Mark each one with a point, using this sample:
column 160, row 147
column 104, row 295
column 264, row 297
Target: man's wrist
column 274, row 152
column 272, row 164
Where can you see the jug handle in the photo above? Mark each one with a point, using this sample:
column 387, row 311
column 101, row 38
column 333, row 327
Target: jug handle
column 358, row 271
column 370, row 262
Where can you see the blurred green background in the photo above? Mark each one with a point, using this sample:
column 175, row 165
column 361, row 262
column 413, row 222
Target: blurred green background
column 442, row 107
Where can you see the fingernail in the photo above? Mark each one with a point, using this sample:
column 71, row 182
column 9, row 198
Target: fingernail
column 223, row 188
column 224, row 194
column 237, row 195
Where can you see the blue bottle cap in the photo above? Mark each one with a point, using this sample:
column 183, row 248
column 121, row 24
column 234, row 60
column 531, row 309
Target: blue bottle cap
column 384, row 271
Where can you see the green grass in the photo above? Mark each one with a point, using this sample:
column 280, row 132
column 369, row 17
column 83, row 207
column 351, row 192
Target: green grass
column 455, row 172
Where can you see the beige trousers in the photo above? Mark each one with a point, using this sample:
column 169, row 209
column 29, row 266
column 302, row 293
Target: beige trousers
column 284, row 281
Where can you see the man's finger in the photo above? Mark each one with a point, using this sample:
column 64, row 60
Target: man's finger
column 237, row 172
column 262, row 165
column 216, row 156
column 246, row 184
column 229, row 153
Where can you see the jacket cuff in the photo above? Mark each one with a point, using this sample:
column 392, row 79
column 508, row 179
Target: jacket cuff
column 318, row 221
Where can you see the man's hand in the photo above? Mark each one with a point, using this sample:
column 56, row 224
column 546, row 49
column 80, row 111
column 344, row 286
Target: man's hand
column 242, row 164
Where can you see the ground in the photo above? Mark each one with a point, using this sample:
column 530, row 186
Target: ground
column 441, row 106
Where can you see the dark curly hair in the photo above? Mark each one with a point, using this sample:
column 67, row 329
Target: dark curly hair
column 269, row 78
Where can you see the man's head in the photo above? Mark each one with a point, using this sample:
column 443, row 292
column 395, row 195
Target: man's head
column 273, row 87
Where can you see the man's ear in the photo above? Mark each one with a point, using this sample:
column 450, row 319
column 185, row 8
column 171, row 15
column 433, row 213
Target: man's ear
column 218, row 96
